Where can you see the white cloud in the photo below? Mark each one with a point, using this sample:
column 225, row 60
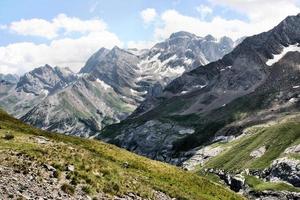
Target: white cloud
column 73, row 24
column 204, row 11
column 173, row 21
column 60, row 24
column 262, row 15
column 148, row 15
column 64, row 52
column 34, row 27
column 256, row 10
column 141, row 44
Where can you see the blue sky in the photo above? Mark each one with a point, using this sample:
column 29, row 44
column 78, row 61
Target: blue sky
column 67, row 32
column 123, row 17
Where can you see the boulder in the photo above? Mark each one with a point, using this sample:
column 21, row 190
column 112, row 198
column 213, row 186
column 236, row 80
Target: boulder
column 285, row 169
column 293, row 149
column 71, row 168
column 201, row 156
column 237, row 182
column 257, row 153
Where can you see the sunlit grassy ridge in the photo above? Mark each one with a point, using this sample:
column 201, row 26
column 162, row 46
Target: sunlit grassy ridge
column 275, row 138
column 106, row 168
column 260, row 185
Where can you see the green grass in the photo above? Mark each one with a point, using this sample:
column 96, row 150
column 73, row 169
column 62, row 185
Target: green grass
column 275, row 138
column 101, row 167
column 259, row 185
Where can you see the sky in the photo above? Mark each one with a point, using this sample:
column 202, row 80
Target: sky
column 66, row 33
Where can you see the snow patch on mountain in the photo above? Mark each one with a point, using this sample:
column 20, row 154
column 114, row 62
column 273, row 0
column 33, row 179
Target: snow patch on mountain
column 45, row 92
column 154, row 68
column 277, row 57
column 103, row 84
column 199, row 86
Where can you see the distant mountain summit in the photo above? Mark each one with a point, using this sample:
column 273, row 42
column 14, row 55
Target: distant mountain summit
column 45, row 79
column 134, row 74
column 9, row 78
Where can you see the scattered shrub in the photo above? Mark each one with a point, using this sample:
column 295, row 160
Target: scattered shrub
column 68, row 189
column 57, row 174
column 8, row 136
column 74, row 180
column 87, row 189
column 111, row 188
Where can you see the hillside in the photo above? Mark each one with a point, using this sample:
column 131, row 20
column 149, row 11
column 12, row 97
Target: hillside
column 263, row 160
column 35, row 163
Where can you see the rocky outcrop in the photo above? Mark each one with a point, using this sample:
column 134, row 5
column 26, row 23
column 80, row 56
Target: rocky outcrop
column 237, row 183
column 149, row 135
column 201, row 157
column 284, row 169
column 258, row 152
column 273, row 195
column 293, row 150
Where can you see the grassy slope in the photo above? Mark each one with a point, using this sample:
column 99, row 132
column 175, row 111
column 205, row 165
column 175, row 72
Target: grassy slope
column 275, row 138
column 102, row 166
column 236, row 157
column 259, row 185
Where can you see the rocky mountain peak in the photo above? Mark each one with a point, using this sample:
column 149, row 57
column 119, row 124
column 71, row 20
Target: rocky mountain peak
column 94, row 59
column 226, row 40
column 9, row 78
column 45, row 79
column 210, row 38
column 117, row 50
column 182, row 34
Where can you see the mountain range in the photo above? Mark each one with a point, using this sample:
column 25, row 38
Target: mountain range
column 108, row 88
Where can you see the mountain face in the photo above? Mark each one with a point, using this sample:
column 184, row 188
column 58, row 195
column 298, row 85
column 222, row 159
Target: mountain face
column 255, row 83
column 21, row 96
column 9, row 78
column 135, row 74
column 116, row 68
column 83, row 108
column 109, row 87
column 45, row 80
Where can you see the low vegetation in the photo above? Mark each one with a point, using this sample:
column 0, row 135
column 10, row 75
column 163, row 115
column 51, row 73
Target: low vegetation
column 100, row 167
column 259, row 185
column 275, row 138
